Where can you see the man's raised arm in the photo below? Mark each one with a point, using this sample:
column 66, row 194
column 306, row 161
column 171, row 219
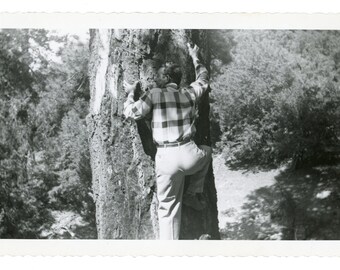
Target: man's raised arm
column 202, row 77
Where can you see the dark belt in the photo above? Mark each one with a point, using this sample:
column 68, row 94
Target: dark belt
column 173, row 144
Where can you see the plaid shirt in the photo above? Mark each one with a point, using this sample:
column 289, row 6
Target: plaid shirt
column 173, row 110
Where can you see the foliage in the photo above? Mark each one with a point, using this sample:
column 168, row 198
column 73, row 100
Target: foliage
column 278, row 100
column 21, row 201
column 44, row 155
column 69, row 97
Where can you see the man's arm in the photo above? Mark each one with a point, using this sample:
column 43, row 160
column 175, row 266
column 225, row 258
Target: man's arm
column 202, row 77
column 138, row 109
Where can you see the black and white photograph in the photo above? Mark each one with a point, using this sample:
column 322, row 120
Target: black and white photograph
column 170, row 134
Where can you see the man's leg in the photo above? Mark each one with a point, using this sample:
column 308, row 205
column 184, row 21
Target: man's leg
column 197, row 174
column 200, row 170
column 169, row 193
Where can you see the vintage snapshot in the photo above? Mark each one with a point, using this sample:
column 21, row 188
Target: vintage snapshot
column 166, row 133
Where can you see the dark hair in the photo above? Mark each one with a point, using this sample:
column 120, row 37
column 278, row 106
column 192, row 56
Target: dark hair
column 174, row 71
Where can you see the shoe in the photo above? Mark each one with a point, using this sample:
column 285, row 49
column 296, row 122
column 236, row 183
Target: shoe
column 205, row 237
column 192, row 201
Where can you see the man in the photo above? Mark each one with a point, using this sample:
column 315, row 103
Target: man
column 173, row 111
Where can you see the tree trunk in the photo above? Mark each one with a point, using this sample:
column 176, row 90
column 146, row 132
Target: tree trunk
column 122, row 151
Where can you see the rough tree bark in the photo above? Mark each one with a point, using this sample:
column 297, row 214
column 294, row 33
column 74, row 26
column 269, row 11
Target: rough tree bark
column 122, row 151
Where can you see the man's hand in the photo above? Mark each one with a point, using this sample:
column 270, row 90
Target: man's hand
column 130, row 88
column 193, row 51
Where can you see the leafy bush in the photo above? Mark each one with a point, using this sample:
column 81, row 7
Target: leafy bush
column 278, row 100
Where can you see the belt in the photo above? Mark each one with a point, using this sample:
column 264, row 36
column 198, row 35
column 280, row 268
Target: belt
column 173, row 144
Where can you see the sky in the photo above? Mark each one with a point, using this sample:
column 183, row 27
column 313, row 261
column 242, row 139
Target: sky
column 83, row 35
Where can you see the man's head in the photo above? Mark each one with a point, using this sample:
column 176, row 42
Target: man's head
column 169, row 73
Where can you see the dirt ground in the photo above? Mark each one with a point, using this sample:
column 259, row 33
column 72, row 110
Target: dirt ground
column 233, row 188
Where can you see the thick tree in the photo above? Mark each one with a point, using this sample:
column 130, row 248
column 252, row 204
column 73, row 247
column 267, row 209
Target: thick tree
column 122, row 151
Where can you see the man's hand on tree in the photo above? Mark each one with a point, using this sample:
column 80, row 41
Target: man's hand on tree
column 193, row 51
column 130, row 88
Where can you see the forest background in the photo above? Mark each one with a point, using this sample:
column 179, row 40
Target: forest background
column 274, row 105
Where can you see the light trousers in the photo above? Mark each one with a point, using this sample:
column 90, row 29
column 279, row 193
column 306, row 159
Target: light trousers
column 172, row 165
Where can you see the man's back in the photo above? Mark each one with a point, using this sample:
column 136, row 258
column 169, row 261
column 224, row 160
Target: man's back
column 173, row 113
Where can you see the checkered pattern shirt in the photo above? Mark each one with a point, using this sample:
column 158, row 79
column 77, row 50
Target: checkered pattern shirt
column 173, row 109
